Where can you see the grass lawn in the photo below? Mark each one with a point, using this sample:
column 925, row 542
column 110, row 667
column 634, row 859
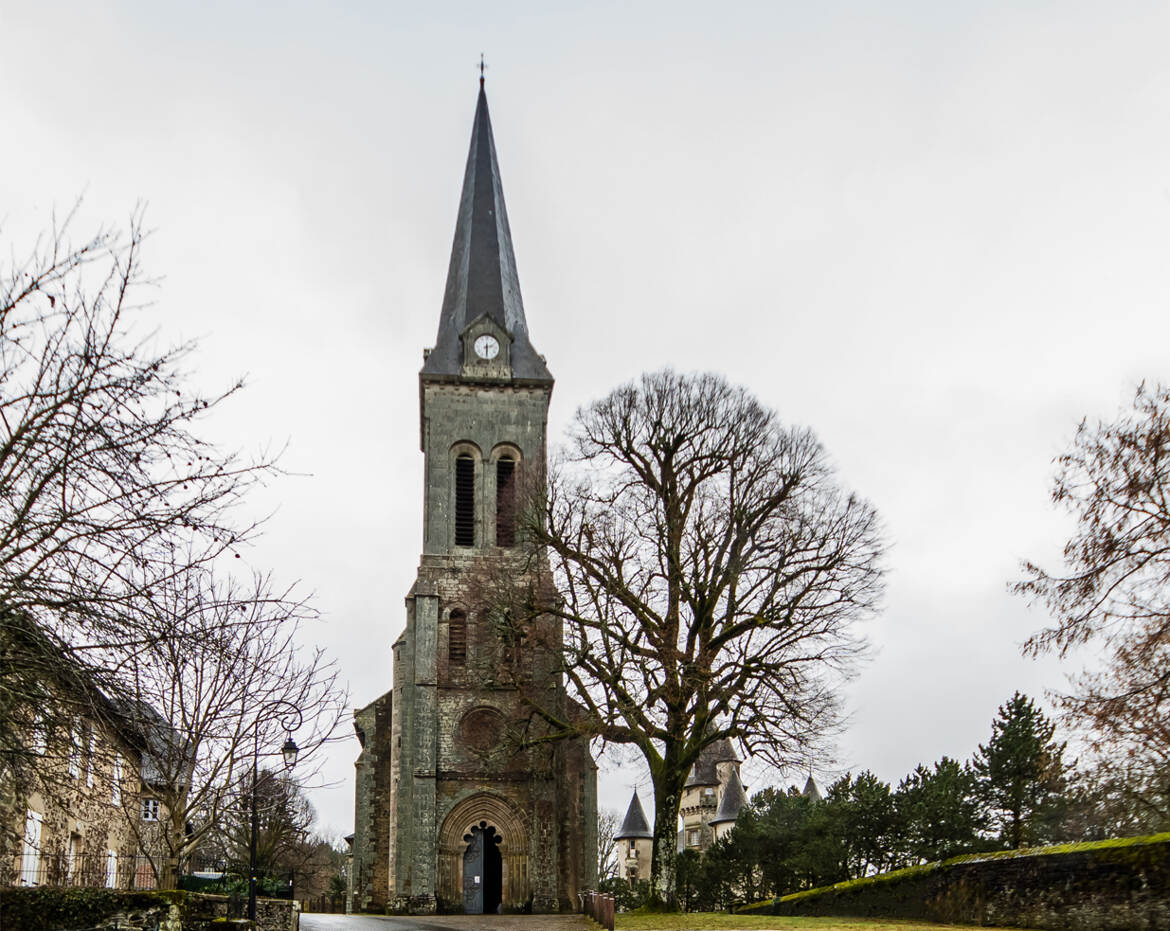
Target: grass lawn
column 715, row 921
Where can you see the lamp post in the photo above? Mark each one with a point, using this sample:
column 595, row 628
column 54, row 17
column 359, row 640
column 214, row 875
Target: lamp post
column 286, row 712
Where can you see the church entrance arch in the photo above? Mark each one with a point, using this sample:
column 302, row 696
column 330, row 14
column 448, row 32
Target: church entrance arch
column 483, row 872
column 484, row 836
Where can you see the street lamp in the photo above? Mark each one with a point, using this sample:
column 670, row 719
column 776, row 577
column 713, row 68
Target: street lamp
column 285, row 712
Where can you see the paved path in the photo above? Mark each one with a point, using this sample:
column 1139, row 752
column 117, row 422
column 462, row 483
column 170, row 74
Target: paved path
column 314, row 922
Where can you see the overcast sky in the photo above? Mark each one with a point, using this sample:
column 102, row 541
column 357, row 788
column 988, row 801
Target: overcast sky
column 936, row 233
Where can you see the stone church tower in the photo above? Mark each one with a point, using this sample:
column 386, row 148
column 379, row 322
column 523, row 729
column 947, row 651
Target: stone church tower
column 453, row 811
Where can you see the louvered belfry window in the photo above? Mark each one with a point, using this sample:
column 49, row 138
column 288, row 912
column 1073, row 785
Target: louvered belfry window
column 505, row 502
column 464, row 500
column 457, row 639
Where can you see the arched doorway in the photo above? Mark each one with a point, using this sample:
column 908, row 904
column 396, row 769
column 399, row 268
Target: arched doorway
column 483, row 871
column 511, row 825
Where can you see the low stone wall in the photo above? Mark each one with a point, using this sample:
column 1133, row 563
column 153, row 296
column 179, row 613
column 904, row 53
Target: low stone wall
column 1120, row 884
column 49, row 908
column 202, row 908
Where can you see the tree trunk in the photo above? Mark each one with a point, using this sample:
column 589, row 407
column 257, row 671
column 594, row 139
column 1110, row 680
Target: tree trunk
column 168, row 876
column 664, row 862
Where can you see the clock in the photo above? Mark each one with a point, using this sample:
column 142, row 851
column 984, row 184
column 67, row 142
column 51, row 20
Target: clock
column 487, row 347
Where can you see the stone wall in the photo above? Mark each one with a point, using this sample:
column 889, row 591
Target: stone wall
column 368, row 876
column 200, row 911
column 1074, row 887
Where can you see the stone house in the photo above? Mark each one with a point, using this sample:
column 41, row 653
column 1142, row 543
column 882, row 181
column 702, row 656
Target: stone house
column 455, row 810
column 66, row 820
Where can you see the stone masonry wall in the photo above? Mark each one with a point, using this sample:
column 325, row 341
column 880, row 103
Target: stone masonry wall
column 368, row 876
column 1091, row 887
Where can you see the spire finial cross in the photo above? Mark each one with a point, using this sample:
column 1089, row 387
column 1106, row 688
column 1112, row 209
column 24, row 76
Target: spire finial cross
column 482, row 68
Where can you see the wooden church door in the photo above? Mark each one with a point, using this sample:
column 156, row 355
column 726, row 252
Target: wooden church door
column 483, row 869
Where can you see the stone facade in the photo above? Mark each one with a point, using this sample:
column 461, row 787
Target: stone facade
column 73, row 828
column 717, row 767
column 445, row 753
column 634, row 843
column 80, row 811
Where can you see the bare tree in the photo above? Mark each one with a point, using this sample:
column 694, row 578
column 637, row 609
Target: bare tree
column 214, row 692
column 1114, row 590
column 101, row 462
column 105, row 478
column 608, row 824
column 707, row 570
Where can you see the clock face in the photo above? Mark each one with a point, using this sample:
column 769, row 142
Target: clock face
column 487, row 347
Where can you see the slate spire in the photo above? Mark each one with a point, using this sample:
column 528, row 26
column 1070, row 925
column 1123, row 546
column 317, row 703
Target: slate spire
column 482, row 276
column 734, row 798
column 635, row 824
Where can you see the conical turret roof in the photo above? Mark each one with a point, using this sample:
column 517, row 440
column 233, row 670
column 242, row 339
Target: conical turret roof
column 810, row 790
column 482, row 276
column 635, row 825
column 734, row 798
column 705, row 772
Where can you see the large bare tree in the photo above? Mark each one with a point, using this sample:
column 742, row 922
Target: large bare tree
column 708, row 571
column 103, row 466
column 114, row 509
column 1114, row 590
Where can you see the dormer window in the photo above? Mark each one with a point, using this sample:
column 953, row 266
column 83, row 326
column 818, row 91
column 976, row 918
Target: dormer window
column 464, row 500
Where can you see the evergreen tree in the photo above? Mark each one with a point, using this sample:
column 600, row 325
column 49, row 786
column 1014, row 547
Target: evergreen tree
column 940, row 813
column 1020, row 775
column 866, row 823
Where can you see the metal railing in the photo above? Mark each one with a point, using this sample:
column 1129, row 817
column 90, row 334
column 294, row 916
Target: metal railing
column 101, row 871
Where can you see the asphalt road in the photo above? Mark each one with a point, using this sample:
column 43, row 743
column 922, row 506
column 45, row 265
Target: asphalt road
column 315, row 922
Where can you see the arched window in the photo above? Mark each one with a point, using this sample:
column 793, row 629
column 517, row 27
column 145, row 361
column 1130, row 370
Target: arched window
column 506, row 501
column 464, row 500
column 457, row 639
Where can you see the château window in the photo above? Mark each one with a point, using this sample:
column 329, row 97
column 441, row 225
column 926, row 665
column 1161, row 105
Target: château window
column 506, row 502
column 464, row 500
column 150, row 809
column 457, row 639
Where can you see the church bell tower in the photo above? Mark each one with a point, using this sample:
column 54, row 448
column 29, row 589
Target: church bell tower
column 454, row 811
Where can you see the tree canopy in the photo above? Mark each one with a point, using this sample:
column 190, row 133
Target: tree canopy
column 1114, row 590
column 708, row 570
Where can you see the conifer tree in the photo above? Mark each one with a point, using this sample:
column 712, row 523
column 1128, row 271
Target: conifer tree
column 940, row 814
column 1020, row 775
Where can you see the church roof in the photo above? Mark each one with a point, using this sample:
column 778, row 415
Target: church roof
column 704, row 772
column 734, row 798
column 482, row 276
column 635, row 824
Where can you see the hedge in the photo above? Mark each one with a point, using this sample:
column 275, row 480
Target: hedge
column 48, row 908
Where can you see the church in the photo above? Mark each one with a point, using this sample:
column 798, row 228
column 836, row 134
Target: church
column 455, row 811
